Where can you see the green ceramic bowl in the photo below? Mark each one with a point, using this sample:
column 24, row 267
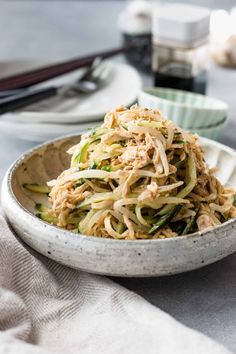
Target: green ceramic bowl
column 186, row 109
column 213, row 132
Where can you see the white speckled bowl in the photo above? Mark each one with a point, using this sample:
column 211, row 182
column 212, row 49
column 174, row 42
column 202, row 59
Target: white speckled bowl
column 187, row 109
column 107, row 256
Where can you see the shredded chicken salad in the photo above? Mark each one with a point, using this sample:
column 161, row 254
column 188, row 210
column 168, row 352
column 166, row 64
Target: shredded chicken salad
column 138, row 176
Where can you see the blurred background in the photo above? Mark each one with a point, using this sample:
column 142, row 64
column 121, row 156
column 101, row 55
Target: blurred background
column 53, row 29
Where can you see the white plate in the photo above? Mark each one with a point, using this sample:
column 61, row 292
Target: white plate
column 123, row 89
column 39, row 132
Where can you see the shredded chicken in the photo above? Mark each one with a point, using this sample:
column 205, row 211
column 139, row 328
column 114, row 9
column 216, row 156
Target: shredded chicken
column 138, row 176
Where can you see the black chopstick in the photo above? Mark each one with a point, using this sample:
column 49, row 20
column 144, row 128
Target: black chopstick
column 9, row 93
column 36, row 76
column 26, row 98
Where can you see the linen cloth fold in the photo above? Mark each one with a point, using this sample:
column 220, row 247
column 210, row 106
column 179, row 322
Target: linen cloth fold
column 49, row 308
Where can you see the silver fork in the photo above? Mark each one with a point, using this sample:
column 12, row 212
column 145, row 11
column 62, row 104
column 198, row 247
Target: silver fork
column 93, row 79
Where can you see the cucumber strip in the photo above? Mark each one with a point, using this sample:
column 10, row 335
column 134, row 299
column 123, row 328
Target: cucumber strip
column 120, row 227
column 188, row 188
column 97, row 197
column 80, row 157
column 178, row 227
column 165, row 219
column 74, row 220
column 190, row 225
column 79, row 183
column 83, row 152
column 234, row 200
column 106, row 168
column 97, row 132
column 36, row 188
column 84, row 222
column 180, row 164
column 40, row 207
column 93, row 166
column 45, row 216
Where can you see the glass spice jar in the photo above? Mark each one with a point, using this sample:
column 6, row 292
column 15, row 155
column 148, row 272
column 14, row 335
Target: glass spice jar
column 180, row 47
column 135, row 25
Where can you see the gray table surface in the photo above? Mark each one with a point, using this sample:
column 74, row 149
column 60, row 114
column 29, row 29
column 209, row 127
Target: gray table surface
column 204, row 299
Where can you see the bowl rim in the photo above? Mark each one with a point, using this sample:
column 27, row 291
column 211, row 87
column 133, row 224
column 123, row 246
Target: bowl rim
column 71, row 235
column 224, row 108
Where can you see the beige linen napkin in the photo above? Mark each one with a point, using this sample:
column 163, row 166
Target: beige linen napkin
column 48, row 308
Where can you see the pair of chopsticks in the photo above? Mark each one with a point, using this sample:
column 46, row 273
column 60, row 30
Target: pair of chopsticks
column 36, row 76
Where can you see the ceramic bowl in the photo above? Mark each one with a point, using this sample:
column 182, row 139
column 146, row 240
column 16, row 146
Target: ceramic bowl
column 186, row 109
column 213, row 132
column 138, row 258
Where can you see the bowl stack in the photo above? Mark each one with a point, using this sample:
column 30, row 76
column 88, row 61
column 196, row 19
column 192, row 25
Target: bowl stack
column 199, row 114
